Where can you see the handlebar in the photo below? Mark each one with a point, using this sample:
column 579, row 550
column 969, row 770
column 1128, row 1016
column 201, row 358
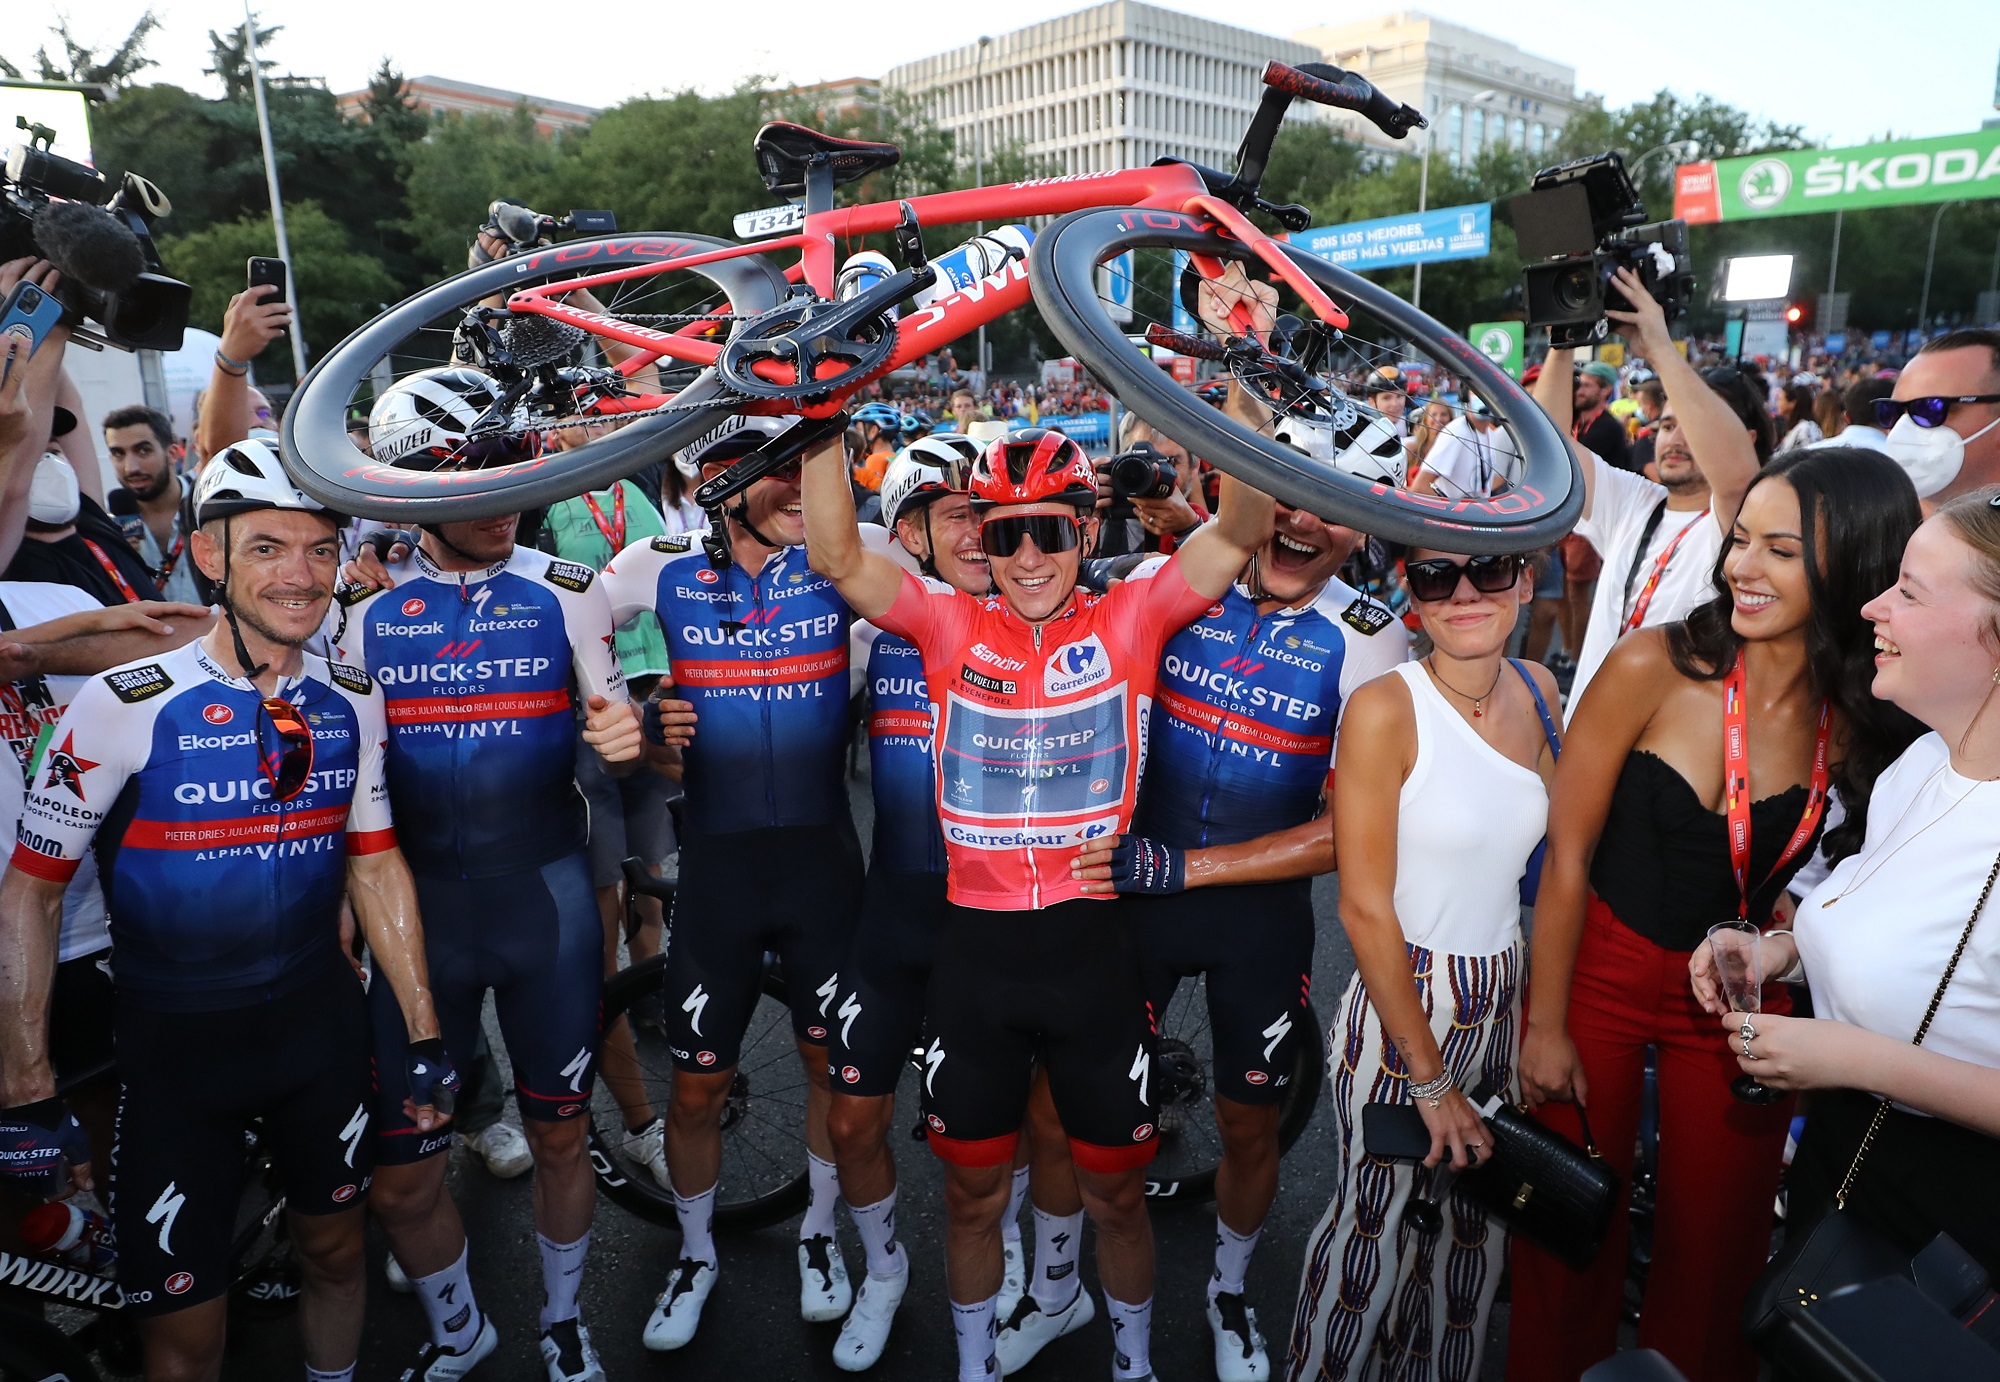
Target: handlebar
column 1331, row 86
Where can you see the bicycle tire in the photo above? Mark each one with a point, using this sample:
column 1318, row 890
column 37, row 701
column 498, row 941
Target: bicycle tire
column 326, row 465
column 33, row 1350
column 639, row 1194
column 1062, row 274
column 1295, row 1113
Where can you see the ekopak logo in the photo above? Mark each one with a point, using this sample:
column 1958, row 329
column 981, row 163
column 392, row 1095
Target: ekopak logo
column 413, row 607
column 218, row 714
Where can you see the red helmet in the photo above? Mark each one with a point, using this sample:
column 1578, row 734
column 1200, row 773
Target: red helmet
column 1033, row 465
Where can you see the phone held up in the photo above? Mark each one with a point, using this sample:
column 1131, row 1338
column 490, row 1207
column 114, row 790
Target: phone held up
column 28, row 314
column 269, row 271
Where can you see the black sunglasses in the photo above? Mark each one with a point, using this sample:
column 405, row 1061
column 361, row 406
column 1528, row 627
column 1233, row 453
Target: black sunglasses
column 288, row 766
column 1050, row 532
column 1436, row 579
column 1925, row 412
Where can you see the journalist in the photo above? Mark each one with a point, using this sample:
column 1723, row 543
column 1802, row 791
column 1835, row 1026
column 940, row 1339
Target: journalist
column 1130, row 521
column 148, row 506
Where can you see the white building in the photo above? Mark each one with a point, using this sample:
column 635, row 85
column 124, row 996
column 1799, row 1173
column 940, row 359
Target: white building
column 1477, row 90
column 1117, row 85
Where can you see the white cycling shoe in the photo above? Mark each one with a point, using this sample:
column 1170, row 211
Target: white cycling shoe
column 567, row 1354
column 1014, row 1283
column 502, row 1149
column 677, row 1313
column 439, row 1364
column 866, row 1332
column 648, row 1148
column 398, row 1279
column 1239, row 1348
column 1030, row 1329
column 824, row 1294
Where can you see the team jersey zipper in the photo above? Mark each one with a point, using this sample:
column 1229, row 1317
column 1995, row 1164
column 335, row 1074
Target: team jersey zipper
column 1034, row 784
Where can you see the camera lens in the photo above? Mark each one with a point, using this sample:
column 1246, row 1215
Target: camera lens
column 1574, row 289
column 1139, row 475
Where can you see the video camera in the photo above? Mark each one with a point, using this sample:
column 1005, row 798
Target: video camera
column 1578, row 224
column 524, row 228
column 102, row 243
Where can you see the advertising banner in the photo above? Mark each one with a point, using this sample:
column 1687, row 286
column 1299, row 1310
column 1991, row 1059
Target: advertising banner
column 1394, row 242
column 1499, row 342
column 1904, row 172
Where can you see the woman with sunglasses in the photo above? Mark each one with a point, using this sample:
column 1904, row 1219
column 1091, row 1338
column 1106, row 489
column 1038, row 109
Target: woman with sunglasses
column 1440, row 796
column 1692, row 790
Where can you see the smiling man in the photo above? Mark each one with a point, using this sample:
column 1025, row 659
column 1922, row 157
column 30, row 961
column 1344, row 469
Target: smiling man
column 145, row 456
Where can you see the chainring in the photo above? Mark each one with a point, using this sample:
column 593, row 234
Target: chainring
column 784, row 336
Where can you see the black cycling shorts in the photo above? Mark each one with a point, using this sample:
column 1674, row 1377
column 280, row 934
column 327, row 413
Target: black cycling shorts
column 80, row 1015
column 1060, row 986
column 794, row 891
column 1255, row 943
column 880, row 1016
column 190, row 1085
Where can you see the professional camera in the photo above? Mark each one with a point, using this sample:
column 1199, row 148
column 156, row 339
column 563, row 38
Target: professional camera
column 1579, row 224
column 524, row 228
column 102, row 243
column 1142, row 472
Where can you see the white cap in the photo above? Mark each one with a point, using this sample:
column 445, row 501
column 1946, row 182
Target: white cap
column 54, row 497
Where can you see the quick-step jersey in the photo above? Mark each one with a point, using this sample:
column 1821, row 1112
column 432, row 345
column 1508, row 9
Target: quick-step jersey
column 1247, row 710
column 220, row 897
column 901, row 766
column 481, row 672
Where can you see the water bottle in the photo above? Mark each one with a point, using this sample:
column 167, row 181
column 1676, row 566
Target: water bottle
column 862, row 271
column 67, row 1233
column 981, row 255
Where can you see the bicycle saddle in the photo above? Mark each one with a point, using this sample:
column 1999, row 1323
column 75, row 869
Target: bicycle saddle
column 784, row 150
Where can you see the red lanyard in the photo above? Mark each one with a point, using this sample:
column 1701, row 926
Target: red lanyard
column 614, row 531
column 111, row 570
column 1736, row 785
column 1665, row 559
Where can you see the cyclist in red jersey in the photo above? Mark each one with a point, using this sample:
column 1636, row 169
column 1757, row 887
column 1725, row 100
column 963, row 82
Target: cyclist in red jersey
column 1042, row 695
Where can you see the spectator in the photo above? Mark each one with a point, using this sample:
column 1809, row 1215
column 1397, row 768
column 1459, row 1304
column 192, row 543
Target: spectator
column 1153, row 525
column 148, row 507
column 231, row 408
column 71, row 541
column 1386, row 396
column 1431, row 422
column 1795, row 417
column 965, row 409
column 1471, row 459
column 1857, row 405
column 1645, row 425
column 1830, row 415
column 1962, row 452
column 1600, row 432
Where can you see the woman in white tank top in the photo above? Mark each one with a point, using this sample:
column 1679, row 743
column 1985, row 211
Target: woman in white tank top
column 1440, row 797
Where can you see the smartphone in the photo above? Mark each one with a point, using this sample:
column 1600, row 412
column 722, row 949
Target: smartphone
column 1394, row 1131
column 30, row 315
column 270, row 271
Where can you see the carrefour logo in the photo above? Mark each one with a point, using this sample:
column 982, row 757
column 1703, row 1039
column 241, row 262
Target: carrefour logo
column 1765, row 183
column 1077, row 667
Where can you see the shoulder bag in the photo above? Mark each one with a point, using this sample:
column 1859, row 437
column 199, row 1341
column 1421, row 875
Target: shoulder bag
column 1531, row 881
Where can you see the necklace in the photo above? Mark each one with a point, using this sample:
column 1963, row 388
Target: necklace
column 1880, row 864
column 1478, row 701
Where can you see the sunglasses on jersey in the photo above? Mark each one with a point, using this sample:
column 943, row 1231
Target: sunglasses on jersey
column 1050, row 532
column 1436, row 579
column 1925, row 412
column 288, row 766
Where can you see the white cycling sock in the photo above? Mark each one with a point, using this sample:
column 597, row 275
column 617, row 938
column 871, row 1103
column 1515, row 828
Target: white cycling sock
column 562, row 1277
column 345, row 1374
column 876, row 1223
column 976, row 1327
column 1131, row 1337
column 448, row 1304
column 1232, row 1258
column 825, row 1183
column 697, row 1216
column 1058, row 1242
column 1010, row 1227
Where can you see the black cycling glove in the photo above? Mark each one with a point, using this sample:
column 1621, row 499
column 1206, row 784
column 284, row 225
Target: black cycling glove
column 433, row 1082
column 38, row 1142
column 1140, row 865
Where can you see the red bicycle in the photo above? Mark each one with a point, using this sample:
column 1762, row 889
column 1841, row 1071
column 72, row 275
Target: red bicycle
column 670, row 332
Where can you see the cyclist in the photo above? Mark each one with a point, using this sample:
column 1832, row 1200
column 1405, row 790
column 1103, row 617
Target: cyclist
column 483, row 650
column 235, row 789
column 881, row 426
column 1042, row 693
column 880, row 1015
column 771, row 862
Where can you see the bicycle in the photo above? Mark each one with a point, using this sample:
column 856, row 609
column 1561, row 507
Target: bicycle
column 727, row 329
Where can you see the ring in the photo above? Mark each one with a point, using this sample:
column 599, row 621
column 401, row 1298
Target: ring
column 1748, row 1054
column 1747, row 1031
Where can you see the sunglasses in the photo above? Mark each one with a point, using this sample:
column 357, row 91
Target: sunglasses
column 288, row 766
column 1050, row 532
column 1437, row 579
column 1925, row 412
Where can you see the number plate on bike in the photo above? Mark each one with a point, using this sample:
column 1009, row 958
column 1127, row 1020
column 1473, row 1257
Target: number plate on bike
column 774, row 220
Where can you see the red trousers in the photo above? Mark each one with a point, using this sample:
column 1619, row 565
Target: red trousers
column 1719, row 1162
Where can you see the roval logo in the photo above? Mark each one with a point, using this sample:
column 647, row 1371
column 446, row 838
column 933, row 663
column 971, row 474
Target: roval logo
column 218, row 714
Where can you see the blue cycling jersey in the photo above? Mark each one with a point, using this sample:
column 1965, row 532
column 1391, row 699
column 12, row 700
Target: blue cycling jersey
column 220, row 896
column 763, row 658
column 482, row 672
column 1248, row 704
column 901, row 766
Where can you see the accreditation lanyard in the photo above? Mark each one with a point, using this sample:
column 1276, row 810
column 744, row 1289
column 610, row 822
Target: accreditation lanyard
column 172, row 556
column 1660, row 565
column 614, row 531
column 1736, row 784
column 111, row 570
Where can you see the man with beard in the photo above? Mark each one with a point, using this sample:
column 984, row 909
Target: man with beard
column 145, row 454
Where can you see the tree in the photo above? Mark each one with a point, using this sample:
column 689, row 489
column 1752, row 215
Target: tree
column 388, row 109
column 229, row 58
column 78, row 62
column 467, row 161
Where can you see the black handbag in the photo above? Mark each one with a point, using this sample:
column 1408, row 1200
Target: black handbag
column 1542, row 1185
column 1841, row 1251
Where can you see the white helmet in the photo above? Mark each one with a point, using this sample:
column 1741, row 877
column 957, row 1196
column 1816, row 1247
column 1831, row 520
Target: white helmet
column 1363, row 443
column 244, row 478
column 735, row 437
column 421, row 422
column 927, row 469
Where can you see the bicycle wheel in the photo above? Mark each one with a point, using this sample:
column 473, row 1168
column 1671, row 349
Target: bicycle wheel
column 1190, row 1146
column 763, row 1123
column 418, row 334
column 1063, row 272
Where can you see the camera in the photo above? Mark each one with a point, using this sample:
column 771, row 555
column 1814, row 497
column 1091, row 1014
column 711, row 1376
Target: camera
column 1579, row 224
column 524, row 228
column 1143, row 472
column 101, row 242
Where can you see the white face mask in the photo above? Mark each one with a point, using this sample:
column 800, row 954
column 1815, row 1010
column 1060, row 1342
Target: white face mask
column 1931, row 455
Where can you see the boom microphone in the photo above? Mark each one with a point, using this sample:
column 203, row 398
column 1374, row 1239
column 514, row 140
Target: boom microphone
column 89, row 246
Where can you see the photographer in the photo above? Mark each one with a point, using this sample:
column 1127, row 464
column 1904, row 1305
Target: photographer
column 1133, row 515
column 229, row 408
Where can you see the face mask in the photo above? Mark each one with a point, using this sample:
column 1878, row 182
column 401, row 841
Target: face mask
column 53, row 494
column 1931, row 455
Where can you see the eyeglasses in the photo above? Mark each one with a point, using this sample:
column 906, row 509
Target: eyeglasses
column 1925, row 412
column 1437, row 579
column 1050, row 532
column 287, row 767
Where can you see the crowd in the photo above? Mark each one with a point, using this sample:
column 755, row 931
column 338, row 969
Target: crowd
column 1114, row 735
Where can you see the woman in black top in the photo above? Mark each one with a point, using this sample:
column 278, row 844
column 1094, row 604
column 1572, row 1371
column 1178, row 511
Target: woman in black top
column 1640, row 864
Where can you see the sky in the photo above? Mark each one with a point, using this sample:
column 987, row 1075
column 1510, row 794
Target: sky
column 1845, row 70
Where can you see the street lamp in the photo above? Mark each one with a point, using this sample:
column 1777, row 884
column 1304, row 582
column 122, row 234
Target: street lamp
column 1683, row 151
column 1424, row 188
column 979, row 159
column 1930, row 258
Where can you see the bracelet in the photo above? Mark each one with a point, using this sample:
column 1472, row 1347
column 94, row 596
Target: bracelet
column 1795, row 971
column 239, row 368
column 1432, row 1089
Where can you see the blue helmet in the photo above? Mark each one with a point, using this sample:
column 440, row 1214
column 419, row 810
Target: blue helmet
column 883, row 415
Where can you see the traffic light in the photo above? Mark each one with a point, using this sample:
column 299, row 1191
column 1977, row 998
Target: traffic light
column 1795, row 315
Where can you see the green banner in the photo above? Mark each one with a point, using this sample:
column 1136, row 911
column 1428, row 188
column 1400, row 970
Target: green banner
column 1499, row 342
column 1954, row 167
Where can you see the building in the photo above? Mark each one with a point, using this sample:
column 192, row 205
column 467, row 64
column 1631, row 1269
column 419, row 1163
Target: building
column 840, row 103
column 442, row 96
column 1117, row 85
column 1477, row 90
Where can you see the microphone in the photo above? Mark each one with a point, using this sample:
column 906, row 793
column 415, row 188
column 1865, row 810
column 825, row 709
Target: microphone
column 89, row 246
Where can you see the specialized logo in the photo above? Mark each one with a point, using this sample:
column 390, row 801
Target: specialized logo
column 413, row 606
column 357, row 1124
column 827, row 991
column 1365, row 616
column 578, row 1067
column 165, row 1210
column 218, row 714
column 850, row 1008
column 353, row 678
column 1077, row 667
column 136, row 684
column 571, row 576
column 933, row 1058
column 696, row 1002
column 1277, row 1031
column 66, row 768
column 1142, row 1071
